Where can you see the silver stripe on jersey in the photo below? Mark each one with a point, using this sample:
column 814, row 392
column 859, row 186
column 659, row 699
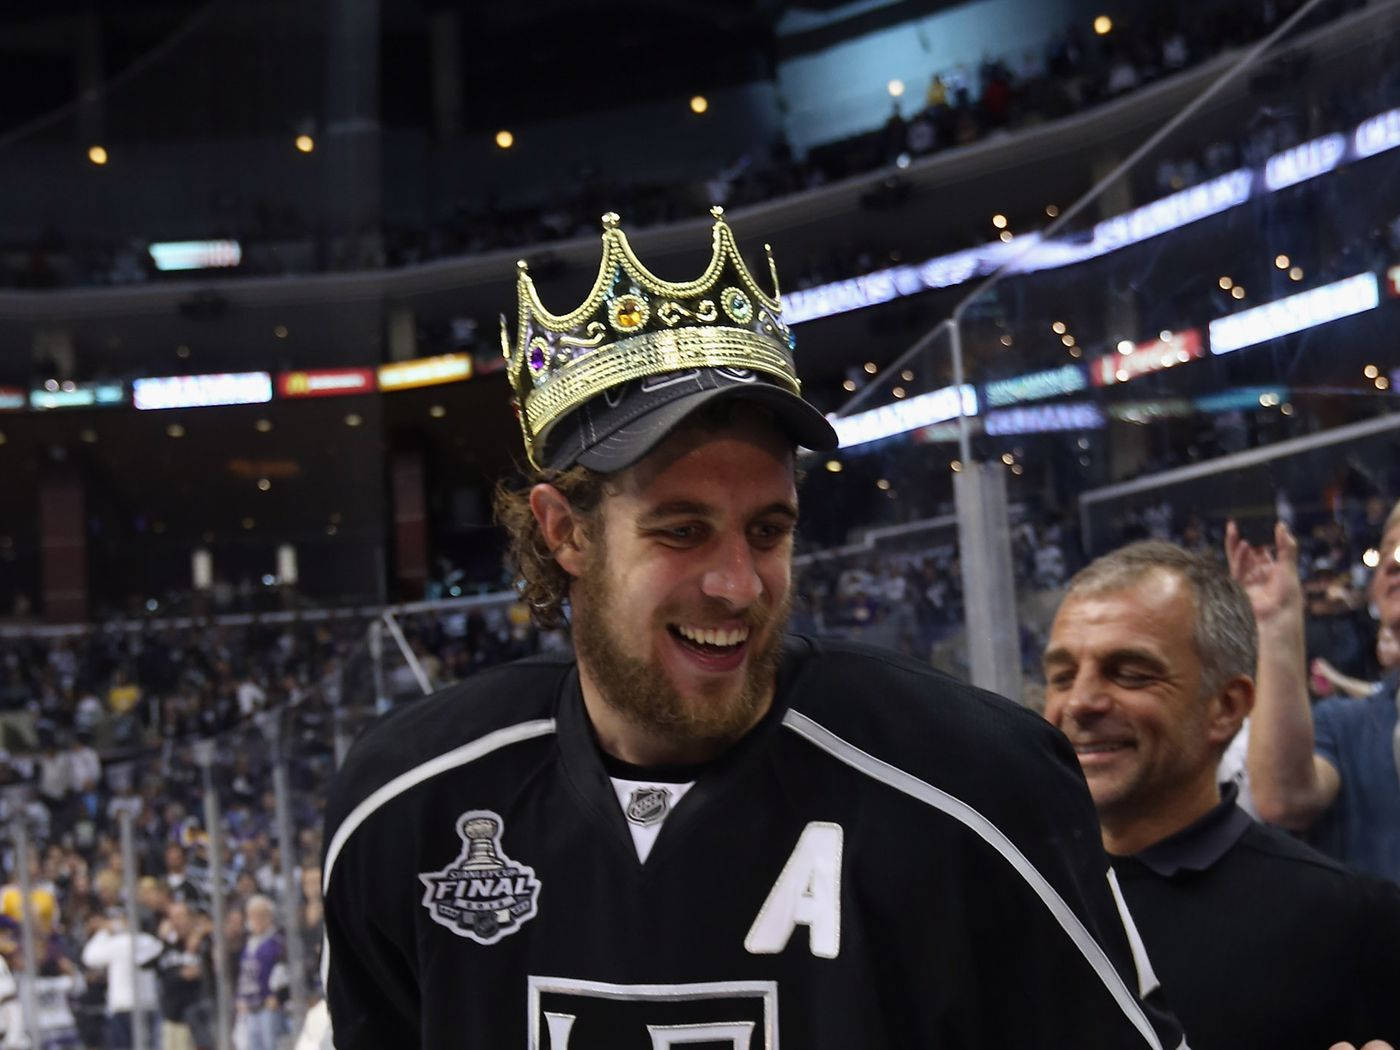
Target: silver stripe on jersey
column 894, row 777
column 458, row 756
column 1147, row 977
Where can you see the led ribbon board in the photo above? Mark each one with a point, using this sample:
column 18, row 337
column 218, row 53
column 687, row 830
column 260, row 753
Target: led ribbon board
column 12, row 399
column 425, row 371
column 227, row 388
column 1151, row 356
column 1041, row 419
column 1330, row 302
column 77, row 395
column 326, row 382
column 910, row 414
column 196, row 255
column 1031, row 253
column 1035, row 386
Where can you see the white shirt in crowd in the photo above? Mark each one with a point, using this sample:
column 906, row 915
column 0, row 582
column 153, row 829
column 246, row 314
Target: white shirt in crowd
column 127, row 986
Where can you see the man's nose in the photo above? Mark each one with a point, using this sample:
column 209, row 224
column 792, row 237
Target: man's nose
column 733, row 577
column 1087, row 696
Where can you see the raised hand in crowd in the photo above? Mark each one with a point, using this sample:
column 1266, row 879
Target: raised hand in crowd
column 1289, row 784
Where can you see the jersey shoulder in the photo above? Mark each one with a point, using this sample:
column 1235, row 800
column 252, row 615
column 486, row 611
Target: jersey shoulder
column 520, row 696
column 1319, row 885
column 923, row 721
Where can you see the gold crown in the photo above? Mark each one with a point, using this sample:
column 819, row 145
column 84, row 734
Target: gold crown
column 633, row 324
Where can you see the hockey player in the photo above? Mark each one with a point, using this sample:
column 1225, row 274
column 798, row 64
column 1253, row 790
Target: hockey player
column 700, row 830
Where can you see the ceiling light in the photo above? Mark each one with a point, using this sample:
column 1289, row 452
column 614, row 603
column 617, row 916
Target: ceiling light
column 898, row 391
column 699, row 103
column 907, row 375
column 505, row 139
column 1370, row 371
column 870, row 367
column 437, row 411
column 1281, row 261
column 1008, row 458
column 834, row 465
column 1052, row 210
column 849, row 386
column 999, row 221
column 182, row 351
column 955, row 466
column 1006, row 340
column 175, row 430
column 1382, row 383
column 353, row 420
column 1125, row 346
column 98, row 155
column 262, row 426
column 883, row 485
column 895, row 88
column 1295, row 274
column 1074, row 351
column 1005, row 236
column 1103, row 25
column 1226, row 284
column 247, row 523
column 280, row 331
column 305, row 143
column 1068, row 340
column 89, row 436
column 1371, row 558
column 264, row 484
column 1237, row 292
column 1058, row 328
column 1017, row 469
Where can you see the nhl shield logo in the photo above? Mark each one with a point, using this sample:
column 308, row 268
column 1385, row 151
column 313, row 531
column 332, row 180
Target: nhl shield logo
column 647, row 805
column 483, row 894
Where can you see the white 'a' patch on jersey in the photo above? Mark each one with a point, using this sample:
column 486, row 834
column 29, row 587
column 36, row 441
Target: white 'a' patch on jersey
column 807, row 893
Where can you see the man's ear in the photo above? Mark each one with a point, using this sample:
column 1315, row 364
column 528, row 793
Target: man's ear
column 560, row 527
column 1229, row 709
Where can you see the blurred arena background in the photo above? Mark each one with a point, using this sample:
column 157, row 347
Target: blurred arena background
column 252, row 407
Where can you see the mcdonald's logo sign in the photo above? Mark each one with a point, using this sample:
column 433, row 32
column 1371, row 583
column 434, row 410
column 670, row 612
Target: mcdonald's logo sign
column 325, row 382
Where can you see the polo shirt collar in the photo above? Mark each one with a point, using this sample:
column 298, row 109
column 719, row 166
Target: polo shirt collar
column 1199, row 845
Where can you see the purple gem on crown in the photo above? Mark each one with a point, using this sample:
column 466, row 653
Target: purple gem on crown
column 536, row 358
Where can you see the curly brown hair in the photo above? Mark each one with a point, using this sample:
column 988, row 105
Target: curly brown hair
column 542, row 582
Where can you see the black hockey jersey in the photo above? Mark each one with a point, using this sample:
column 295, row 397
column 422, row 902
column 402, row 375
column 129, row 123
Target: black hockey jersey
column 889, row 859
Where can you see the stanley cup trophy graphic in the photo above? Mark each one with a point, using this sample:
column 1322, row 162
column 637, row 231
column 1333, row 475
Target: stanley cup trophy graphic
column 480, row 835
column 483, row 895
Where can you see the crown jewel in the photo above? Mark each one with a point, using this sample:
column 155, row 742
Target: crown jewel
column 633, row 325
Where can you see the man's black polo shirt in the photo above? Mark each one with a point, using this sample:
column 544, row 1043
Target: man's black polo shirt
column 1260, row 941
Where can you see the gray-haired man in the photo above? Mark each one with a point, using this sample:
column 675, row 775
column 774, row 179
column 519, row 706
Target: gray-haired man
column 1257, row 939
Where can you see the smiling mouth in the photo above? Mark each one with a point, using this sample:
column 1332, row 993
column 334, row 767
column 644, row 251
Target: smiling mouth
column 710, row 641
column 1102, row 748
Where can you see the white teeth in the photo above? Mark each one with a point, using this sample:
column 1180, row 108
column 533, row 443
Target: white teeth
column 711, row 636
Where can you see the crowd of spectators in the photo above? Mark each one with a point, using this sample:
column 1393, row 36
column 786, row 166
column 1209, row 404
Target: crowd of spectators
column 105, row 722
column 963, row 104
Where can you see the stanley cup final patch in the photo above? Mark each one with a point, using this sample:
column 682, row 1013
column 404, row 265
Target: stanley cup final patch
column 483, row 894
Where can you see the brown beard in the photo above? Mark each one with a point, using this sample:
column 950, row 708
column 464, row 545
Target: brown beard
column 640, row 691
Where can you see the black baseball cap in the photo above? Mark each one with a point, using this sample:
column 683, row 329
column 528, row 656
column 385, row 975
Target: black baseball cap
column 621, row 425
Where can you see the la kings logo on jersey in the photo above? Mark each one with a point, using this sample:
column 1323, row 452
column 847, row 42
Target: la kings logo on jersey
column 572, row 1014
column 483, row 894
